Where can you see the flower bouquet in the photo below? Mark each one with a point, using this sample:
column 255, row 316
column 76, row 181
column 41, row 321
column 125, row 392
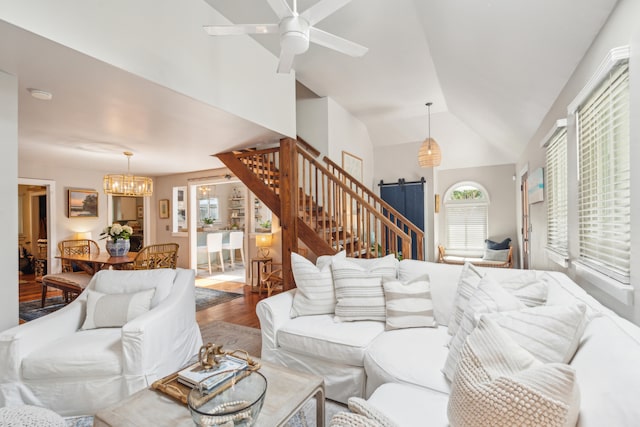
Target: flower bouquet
column 118, row 243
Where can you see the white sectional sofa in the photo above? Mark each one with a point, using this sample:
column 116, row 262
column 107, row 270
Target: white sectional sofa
column 400, row 371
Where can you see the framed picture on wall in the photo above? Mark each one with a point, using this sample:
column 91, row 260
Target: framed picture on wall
column 164, row 209
column 82, row 204
column 352, row 164
column 140, row 212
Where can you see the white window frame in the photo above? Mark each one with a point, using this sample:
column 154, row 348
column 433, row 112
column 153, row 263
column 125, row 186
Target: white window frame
column 610, row 278
column 556, row 187
column 472, row 204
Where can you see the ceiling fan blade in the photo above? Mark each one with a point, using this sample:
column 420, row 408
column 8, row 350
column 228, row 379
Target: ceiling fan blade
column 286, row 62
column 234, row 30
column 321, row 10
column 334, row 42
column 281, row 8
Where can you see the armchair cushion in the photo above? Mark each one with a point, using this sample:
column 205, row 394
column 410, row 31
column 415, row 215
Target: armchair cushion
column 86, row 354
column 115, row 310
column 123, row 281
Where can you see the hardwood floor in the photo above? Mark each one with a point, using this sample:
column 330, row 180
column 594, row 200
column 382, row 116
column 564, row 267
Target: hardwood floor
column 241, row 311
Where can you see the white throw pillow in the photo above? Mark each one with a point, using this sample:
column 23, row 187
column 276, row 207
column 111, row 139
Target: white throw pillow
column 325, row 260
column 498, row 383
column 551, row 333
column 526, row 287
column 489, row 297
column 496, row 255
column 315, row 293
column 468, row 282
column 359, row 290
column 115, row 310
column 408, row 304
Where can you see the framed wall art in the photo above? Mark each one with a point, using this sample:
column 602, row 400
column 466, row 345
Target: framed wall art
column 164, row 209
column 352, row 164
column 82, row 203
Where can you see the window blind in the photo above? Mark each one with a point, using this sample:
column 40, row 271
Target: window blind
column 557, row 199
column 466, row 226
column 604, row 197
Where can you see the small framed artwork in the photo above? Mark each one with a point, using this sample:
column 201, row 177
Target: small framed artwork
column 82, row 204
column 352, row 165
column 164, row 209
column 535, row 184
column 140, row 212
column 436, row 203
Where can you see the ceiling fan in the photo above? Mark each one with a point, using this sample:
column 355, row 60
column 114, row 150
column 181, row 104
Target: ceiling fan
column 296, row 30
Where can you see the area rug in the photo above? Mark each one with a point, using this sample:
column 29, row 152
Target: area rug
column 206, row 297
column 232, row 336
column 30, row 310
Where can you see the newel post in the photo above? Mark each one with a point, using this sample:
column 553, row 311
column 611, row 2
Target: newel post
column 288, row 207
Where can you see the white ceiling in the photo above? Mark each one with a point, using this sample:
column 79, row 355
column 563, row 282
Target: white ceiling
column 492, row 69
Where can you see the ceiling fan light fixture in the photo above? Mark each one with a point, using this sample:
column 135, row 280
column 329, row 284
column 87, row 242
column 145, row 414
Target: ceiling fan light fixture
column 127, row 184
column 294, row 35
column 429, row 155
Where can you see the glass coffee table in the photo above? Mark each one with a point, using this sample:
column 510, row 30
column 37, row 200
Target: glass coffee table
column 287, row 392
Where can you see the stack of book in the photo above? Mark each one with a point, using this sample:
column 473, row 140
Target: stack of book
column 208, row 379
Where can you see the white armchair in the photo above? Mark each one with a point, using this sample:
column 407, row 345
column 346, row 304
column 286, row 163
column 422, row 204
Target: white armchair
column 52, row 362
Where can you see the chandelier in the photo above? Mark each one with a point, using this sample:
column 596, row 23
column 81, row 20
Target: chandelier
column 429, row 155
column 127, row 184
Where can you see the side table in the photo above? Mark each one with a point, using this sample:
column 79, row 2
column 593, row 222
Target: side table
column 255, row 284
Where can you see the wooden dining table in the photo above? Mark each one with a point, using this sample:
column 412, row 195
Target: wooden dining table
column 92, row 263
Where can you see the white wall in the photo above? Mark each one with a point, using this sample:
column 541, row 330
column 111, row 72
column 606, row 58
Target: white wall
column 621, row 29
column 164, row 42
column 499, row 183
column 312, row 121
column 9, row 205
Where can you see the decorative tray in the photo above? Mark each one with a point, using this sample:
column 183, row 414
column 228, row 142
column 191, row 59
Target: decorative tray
column 170, row 385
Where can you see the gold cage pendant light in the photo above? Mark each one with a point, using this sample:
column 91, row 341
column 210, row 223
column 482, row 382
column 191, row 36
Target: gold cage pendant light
column 429, row 155
column 127, row 184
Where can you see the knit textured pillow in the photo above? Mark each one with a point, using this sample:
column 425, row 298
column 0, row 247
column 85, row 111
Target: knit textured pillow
column 359, row 290
column 314, row 294
column 408, row 304
column 498, row 383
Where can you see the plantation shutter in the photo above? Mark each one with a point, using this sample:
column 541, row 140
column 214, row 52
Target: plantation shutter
column 466, row 226
column 604, row 199
column 557, row 203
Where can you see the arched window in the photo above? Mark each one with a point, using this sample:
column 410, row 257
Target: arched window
column 466, row 206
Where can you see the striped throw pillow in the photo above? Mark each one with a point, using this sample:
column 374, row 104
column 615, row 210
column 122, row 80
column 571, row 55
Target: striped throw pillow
column 314, row 294
column 408, row 305
column 359, row 290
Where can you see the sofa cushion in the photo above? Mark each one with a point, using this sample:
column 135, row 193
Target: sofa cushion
column 123, row 281
column 358, row 287
column 92, row 353
column 608, row 373
column 115, row 310
column 498, row 383
column 409, row 356
column 489, row 297
column 411, row 406
column 408, row 304
column 443, row 280
column 320, row 336
column 496, row 255
column 315, row 294
column 490, row 244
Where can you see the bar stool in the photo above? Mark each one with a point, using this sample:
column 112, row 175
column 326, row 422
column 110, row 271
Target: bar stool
column 236, row 242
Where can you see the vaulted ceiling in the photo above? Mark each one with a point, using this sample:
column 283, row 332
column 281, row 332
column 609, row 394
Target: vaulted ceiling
column 492, row 69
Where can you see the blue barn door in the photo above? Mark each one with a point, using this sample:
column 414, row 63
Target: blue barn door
column 408, row 199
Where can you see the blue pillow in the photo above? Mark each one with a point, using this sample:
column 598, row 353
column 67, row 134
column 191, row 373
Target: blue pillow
column 497, row 246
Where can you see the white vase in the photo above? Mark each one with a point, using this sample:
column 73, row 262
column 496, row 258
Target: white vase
column 118, row 247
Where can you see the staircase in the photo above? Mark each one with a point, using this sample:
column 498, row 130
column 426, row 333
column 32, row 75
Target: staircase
column 321, row 205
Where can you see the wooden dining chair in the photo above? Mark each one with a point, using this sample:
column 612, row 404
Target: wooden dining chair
column 76, row 247
column 162, row 255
